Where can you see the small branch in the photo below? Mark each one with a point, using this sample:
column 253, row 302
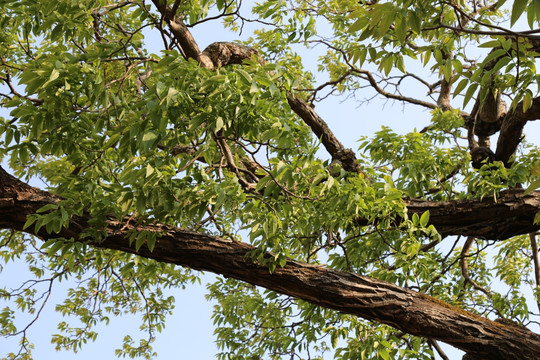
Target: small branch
column 328, row 83
column 226, row 151
column 438, row 348
column 7, row 80
column 505, row 32
column 369, row 77
column 536, row 262
column 465, row 266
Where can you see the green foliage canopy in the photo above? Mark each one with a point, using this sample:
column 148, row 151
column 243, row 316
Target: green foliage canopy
column 157, row 138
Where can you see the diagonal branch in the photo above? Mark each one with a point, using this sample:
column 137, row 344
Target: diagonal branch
column 536, row 263
column 322, row 131
column 369, row 298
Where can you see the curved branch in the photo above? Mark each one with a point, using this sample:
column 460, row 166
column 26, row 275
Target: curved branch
column 220, row 54
column 388, row 95
column 465, row 267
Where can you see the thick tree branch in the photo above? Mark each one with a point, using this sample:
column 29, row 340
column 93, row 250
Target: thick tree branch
column 512, row 213
column 406, row 310
column 512, row 129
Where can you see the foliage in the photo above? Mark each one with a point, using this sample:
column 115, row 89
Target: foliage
column 116, row 130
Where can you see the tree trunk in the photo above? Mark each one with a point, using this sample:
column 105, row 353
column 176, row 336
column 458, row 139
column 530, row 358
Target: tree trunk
column 372, row 299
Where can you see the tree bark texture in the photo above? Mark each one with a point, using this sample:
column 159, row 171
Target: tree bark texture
column 488, row 218
column 372, row 299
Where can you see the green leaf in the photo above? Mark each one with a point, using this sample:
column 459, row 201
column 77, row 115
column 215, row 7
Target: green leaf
column 415, row 219
column 383, row 353
column 54, row 75
column 469, row 94
column 517, row 10
column 141, row 239
column 527, row 100
column 141, row 204
column 151, row 243
column 414, row 22
column 447, row 70
column 149, row 170
column 219, row 124
column 537, row 9
column 149, row 139
column 490, row 44
column 534, row 185
column 29, row 221
column 171, row 96
column 246, row 78
column 424, row 219
column 494, row 54
column 458, row 66
column 359, row 24
column 57, row 245
column 460, row 86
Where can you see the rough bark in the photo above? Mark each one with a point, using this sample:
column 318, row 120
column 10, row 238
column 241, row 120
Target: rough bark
column 512, row 213
column 512, row 129
column 406, row 310
column 409, row 311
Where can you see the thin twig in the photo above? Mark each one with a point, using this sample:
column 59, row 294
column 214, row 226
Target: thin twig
column 536, row 262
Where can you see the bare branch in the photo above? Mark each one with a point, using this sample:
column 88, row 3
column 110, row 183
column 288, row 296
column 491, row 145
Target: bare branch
column 323, row 132
column 536, row 262
column 465, row 266
column 439, row 350
column 369, row 77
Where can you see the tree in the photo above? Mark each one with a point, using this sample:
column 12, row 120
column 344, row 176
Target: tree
column 210, row 160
